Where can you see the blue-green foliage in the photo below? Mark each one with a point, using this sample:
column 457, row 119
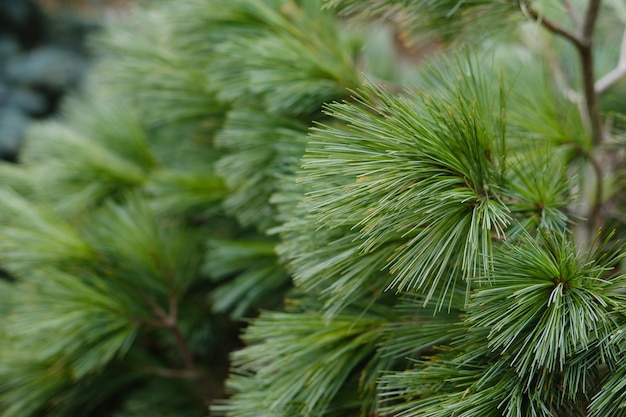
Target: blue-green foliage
column 235, row 173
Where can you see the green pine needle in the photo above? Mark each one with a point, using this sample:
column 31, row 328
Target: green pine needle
column 558, row 302
column 32, row 237
column 421, row 174
column 298, row 362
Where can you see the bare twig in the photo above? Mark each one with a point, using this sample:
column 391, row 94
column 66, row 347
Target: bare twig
column 157, row 310
column 576, row 19
column 169, row 321
column 589, row 24
column 593, row 116
column 585, row 53
column 618, row 72
column 183, row 347
column 549, row 24
column 583, row 43
column 592, row 107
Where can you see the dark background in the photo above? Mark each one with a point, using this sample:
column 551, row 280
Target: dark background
column 44, row 54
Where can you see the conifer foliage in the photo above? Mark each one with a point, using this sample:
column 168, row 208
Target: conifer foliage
column 245, row 192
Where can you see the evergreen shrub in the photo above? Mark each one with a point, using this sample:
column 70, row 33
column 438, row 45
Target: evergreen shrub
column 405, row 208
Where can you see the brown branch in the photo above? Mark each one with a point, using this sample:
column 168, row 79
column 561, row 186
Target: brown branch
column 582, row 40
column 549, row 24
column 589, row 24
column 156, row 308
column 591, row 102
column 585, row 54
column 187, row 356
column 592, row 112
column 169, row 321
column 183, row 347
column 583, row 43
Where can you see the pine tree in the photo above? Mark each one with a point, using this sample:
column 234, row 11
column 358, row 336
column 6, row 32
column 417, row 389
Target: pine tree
column 396, row 236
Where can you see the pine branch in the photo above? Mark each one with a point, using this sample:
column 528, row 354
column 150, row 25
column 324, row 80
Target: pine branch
column 296, row 364
column 169, row 321
column 34, row 237
column 259, row 146
column 455, row 194
column 405, row 172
